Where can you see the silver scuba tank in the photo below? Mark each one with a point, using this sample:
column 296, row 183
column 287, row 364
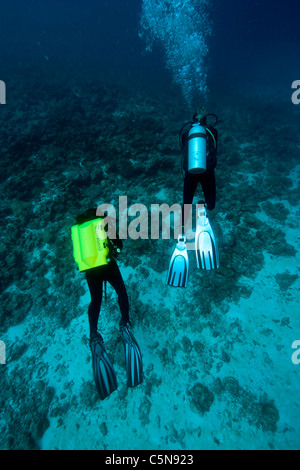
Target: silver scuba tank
column 197, row 149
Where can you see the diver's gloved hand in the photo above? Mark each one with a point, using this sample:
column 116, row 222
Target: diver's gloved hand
column 114, row 249
column 118, row 243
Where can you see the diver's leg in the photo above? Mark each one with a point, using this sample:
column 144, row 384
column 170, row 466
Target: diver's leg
column 115, row 279
column 95, row 283
column 189, row 188
column 208, row 182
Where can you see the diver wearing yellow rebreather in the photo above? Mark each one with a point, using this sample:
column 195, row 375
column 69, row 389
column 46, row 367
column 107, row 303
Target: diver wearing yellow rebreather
column 94, row 253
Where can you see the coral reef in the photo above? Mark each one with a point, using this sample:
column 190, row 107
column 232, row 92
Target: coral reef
column 216, row 369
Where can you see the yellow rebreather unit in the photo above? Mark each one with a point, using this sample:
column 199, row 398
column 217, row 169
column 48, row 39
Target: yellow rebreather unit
column 90, row 247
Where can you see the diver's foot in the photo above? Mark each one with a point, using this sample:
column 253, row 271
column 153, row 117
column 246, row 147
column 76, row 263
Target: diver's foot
column 95, row 336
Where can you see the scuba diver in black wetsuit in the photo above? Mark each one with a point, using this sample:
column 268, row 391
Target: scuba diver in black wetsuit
column 206, row 177
column 199, row 143
column 94, row 251
column 110, row 272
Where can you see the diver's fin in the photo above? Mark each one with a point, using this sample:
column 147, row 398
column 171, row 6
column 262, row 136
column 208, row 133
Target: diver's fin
column 179, row 265
column 133, row 356
column 104, row 374
column 206, row 247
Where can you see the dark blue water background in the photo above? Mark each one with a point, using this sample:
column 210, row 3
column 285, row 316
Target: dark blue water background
column 255, row 44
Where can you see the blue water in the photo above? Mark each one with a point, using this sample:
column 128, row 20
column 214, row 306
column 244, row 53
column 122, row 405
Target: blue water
column 205, row 45
column 96, row 93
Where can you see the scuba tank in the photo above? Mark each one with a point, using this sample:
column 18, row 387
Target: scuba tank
column 199, row 141
column 90, row 245
column 197, row 149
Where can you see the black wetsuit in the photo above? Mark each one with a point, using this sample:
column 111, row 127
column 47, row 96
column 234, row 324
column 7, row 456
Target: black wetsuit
column 95, row 277
column 206, row 179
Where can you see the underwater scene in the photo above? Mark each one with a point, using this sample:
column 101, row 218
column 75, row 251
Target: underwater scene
column 169, row 333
